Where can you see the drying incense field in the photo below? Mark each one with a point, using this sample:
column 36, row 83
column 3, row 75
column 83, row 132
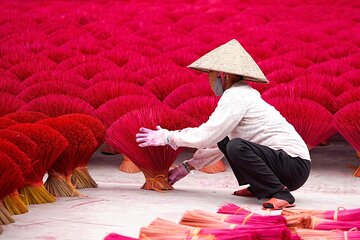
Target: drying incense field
column 79, row 78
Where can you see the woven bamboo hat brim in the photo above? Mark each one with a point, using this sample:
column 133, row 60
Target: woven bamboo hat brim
column 230, row 58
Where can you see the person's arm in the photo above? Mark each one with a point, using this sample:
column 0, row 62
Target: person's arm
column 223, row 120
column 204, row 157
column 201, row 158
column 227, row 115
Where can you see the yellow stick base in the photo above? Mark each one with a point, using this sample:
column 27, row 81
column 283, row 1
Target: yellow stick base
column 81, row 178
column 14, row 204
column 36, row 195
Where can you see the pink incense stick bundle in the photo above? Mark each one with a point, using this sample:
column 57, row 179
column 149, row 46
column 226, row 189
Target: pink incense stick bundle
column 341, row 214
column 352, row 77
column 50, row 87
column 112, row 110
column 161, row 229
column 103, row 92
column 162, row 85
column 331, row 68
column 80, row 59
column 200, row 109
column 181, row 57
column 156, row 67
column 231, row 208
column 55, row 105
column 188, row 91
column 347, row 123
column 119, row 75
column 26, row 116
column 115, row 108
column 115, row 236
column 9, row 103
column 11, row 86
column 284, row 75
column 265, row 230
column 270, row 65
column 82, row 144
column 11, row 178
column 57, row 76
column 154, row 162
column 297, row 59
column 348, row 97
column 13, row 58
column 59, row 54
column 325, row 224
column 118, row 55
column 241, row 219
column 27, row 68
column 309, row 91
column 50, row 145
column 261, row 88
column 89, row 69
column 311, row 120
column 336, row 86
column 81, row 177
column 307, row 234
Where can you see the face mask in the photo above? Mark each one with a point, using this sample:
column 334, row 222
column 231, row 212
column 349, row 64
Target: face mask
column 218, row 86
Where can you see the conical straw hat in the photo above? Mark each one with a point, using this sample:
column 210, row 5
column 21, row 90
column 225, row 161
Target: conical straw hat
column 230, row 58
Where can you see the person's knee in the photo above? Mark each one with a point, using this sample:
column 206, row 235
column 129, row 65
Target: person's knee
column 235, row 146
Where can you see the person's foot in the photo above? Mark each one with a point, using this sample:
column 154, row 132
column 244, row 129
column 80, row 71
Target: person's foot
column 246, row 192
column 279, row 200
column 277, row 204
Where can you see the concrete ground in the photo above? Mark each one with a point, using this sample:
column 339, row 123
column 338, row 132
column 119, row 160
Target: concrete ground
column 119, row 205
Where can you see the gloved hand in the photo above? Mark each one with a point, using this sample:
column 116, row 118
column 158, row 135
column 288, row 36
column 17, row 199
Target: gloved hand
column 177, row 173
column 147, row 137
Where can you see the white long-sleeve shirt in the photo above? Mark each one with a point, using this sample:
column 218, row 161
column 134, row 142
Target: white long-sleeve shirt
column 240, row 113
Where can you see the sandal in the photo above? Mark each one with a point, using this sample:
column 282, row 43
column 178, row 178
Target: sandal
column 244, row 193
column 276, row 204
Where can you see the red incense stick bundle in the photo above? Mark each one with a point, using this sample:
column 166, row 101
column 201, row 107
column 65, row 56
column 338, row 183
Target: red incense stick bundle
column 13, row 202
column 9, row 103
column 102, row 92
column 154, row 162
column 26, row 116
column 50, row 87
column 348, row 125
column 82, row 145
column 50, row 145
column 312, row 121
column 10, row 179
column 58, row 76
column 81, row 177
column 55, row 105
column 188, row 91
column 112, row 110
column 6, row 122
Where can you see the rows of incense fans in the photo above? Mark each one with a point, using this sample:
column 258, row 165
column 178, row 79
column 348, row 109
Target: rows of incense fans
column 77, row 77
column 235, row 222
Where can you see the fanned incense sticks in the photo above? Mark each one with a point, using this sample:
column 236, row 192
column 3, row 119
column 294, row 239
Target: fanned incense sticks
column 50, row 145
column 26, row 116
column 154, row 162
column 55, row 105
column 82, row 144
column 81, row 177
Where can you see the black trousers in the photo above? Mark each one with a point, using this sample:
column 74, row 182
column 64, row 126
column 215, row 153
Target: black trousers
column 266, row 170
